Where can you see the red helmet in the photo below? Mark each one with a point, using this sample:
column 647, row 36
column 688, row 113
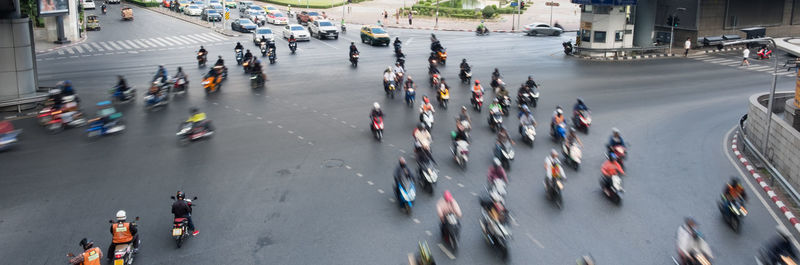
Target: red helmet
column 477, row 81
column 427, row 100
column 447, row 196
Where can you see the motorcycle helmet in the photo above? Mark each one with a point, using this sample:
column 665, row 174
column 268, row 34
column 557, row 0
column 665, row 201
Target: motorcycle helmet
column 447, row 196
column 86, row 243
column 421, row 126
column 553, row 152
column 525, row 108
column 464, row 60
column 463, row 108
column 496, row 100
column 477, row 82
column 559, row 111
column 580, row 101
column 427, row 100
column 408, row 77
column 376, row 105
column 352, row 43
column 193, row 111
column 734, row 181
column 615, row 130
column 180, row 195
column 121, row 216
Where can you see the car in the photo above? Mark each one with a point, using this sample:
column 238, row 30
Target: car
column 243, row 5
column 256, row 14
column 265, row 32
column 271, row 9
column 300, row 32
column 113, row 1
column 183, row 4
column 88, row 4
column 210, row 14
column 534, row 29
column 243, row 25
column 374, row 35
column 314, row 15
column 220, row 9
column 323, row 28
column 211, row 2
column 193, row 10
column 277, row 18
column 228, row 3
column 303, row 18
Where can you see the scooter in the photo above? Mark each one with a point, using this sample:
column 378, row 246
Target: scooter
column 239, row 57
column 8, row 139
column 126, row 95
column 466, row 75
column 405, row 193
column 263, row 48
column 293, row 47
column 481, row 31
column 425, row 256
column 442, row 56
column 444, row 97
column 733, row 212
column 428, row 175
column 377, row 127
column 104, row 9
column 495, row 233
column 161, row 98
column 427, row 119
column 460, row 150
column 572, row 154
column 528, row 133
column 257, row 80
column 109, row 122
column 621, row 153
column 354, row 59
column 179, row 85
column 451, row 229
column 568, row 49
column 582, row 120
column 477, row 100
column 272, row 56
column 201, row 59
column 559, row 133
column 614, row 193
column 495, row 121
column 505, row 153
column 123, row 253
column 411, row 95
column 505, row 104
column 61, row 120
column 529, row 99
column 553, row 190
column 181, row 225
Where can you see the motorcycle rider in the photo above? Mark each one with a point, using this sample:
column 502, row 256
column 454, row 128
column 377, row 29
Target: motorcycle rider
column 579, row 106
column 388, row 78
column 397, row 44
column 353, row 49
column 180, row 75
column 690, row 241
column 557, row 120
column 436, row 46
column 247, row 56
column 477, row 88
column 161, row 73
column 202, row 51
column 734, row 191
column 91, row 255
column 482, row 28
column 495, row 77
column 525, row 118
column 422, row 142
column 376, row 111
column 238, row 47
column 464, row 119
column 398, row 72
column 502, row 93
column 495, row 107
column 198, row 118
column 183, row 209
column 409, row 83
column 464, row 66
column 615, row 140
column 220, row 61
column 496, row 171
column 432, row 67
column 572, row 138
column 447, row 205
column 402, row 172
column 780, row 246
column 553, row 165
column 530, row 83
column 522, row 90
column 123, row 232
column 292, row 41
column 122, row 85
column 610, row 168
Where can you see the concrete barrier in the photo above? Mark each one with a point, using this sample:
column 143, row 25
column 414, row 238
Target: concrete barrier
column 784, row 141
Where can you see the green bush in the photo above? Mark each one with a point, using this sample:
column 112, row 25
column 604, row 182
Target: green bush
column 144, row 4
column 489, row 11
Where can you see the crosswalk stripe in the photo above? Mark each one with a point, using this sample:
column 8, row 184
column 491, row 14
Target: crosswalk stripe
column 124, row 46
column 99, row 49
column 716, row 60
column 139, row 43
column 199, row 36
column 87, row 47
column 185, row 39
column 78, row 48
column 61, row 52
column 760, row 67
column 214, row 36
column 151, row 44
column 164, row 40
column 69, row 50
column 114, row 45
column 729, row 63
column 130, row 43
column 196, row 39
column 156, row 41
column 177, row 40
column 106, row 46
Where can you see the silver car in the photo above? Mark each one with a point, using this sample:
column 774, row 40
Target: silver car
column 534, row 29
column 299, row 32
column 265, row 32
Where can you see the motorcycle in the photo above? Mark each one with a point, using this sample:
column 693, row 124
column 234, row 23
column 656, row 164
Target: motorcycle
column 495, row 233
column 108, row 122
column 568, row 49
column 496, row 84
column 428, row 175
column 505, row 153
column 732, row 211
column 293, row 47
column 614, row 192
column 572, row 154
column 257, row 80
column 192, row 132
column 451, row 229
column 126, row 95
column 529, row 99
column 764, row 54
column 239, row 57
column 553, row 190
column 411, row 95
column 263, row 48
column 354, row 59
column 160, row 98
column 272, row 56
column 465, row 75
column 104, row 9
column 481, row 31
column 46, row 114
column 477, row 100
column 495, row 121
column 435, row 81
column 424, row 257
column 398, row 52
column 582, row 120
column 460, row 150
column 444, row 97
column 505, row 104
column 405, row 193
column 621, row 153
column 695, row 258
column 179, row 85
column 247, row 66
column 123, row 253
column 9, row 138
column 528, row 133
column 390, row 89
column 211, row 84
column 441, row 55
column 377, row 127
column 61, row 119
column 766, row 257
column 181, row 225
column 427, row 119
column 201, row 59
column 559, row 133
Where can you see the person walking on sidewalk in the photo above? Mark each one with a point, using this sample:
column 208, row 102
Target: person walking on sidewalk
column 745, row 54
column 687, row 45
column 410, row 17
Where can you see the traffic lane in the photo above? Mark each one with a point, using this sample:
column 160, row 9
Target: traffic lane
column 146, row 24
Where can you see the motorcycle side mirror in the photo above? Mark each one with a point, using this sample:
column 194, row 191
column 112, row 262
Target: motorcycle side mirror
column 137, row 218
column 195, row 198
column 172, row 197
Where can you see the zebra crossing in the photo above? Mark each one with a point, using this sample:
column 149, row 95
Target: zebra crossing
column 736, row 60
column 133, row 45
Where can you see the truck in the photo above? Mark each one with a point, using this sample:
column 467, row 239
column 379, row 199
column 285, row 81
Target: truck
column 323, row 29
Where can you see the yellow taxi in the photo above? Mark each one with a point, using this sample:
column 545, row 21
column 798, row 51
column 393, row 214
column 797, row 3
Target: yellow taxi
column 374, row 35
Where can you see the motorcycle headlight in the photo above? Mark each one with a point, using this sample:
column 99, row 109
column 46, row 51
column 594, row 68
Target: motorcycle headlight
column 205, row 82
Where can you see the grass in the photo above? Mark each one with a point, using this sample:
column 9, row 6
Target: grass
column 311, row 3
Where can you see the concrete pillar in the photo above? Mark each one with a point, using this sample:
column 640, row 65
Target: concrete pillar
column 645, row 22
column 17, row 66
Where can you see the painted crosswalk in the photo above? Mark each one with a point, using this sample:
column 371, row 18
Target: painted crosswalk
column 736, row 61
column 135, row 45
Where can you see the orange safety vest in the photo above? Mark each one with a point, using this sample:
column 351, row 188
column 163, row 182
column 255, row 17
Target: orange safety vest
column 476, row 88
column 735, row 192
column 559, row 120
column 122, row 233
column 91, row 256
column 611, row 168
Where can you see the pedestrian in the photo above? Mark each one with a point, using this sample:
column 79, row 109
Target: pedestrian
column 397, row 16
column 687, row 45
column 745, row 54
column 385, row 16
column 410, row 17
column 522, row 5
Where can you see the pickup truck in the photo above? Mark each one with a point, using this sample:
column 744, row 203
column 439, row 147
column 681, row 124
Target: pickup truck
column 323, row 29
column 307, row 16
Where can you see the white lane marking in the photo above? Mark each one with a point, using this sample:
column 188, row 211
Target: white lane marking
column 446, row 252
column 78, row 48
column 391, row 200
column 193, row 38
column 716, row 60
column 87, row 47
column 105, row 46
column 214, row 36
column 328, row 44
column 185, row 39
column 177, row 40
column 760, row 67
column 122, row 43
column 448, row 177
column 474, row 194
column 408, row 42
column 159, row 41
column 133, row 52
column 291, row 132
column 259, row 118
column 134, row 45
column 347, row 167
column 60, row 52
column 114, row 45
column 750, row 185
column 428, row 232
column 201, row 37
column 169, row 41
column 279, row 126
column 416, row 220
column 460, row 185
column 370, row 183
column 69, row 50
column 149, row 43
column 534, row 240
column 300, row 137
column 99, row 49
column 140, row 43
column 380, row 191
column 359, row 175
column 352, row 126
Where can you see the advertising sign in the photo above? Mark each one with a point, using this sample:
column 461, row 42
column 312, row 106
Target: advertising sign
column 53, row 7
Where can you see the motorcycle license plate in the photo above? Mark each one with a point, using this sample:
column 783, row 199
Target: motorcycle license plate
column 177, row 232
column 119, row 262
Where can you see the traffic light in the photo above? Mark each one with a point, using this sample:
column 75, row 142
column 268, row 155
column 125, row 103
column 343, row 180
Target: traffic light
column 676, row 21
column 670, row 20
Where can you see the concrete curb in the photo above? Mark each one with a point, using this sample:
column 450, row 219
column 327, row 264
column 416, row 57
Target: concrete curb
column 85, row 36
column 625, row 58
column 774, row 197
column 716, row 50
column 463, row 30
column 220, row 31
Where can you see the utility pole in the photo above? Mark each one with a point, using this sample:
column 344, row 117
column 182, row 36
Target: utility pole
column 436, row 24
column 672, row 27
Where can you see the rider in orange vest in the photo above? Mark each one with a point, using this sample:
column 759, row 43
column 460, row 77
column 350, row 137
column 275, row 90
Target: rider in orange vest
column 610, row 168
column 91, row 255
column 123, row 232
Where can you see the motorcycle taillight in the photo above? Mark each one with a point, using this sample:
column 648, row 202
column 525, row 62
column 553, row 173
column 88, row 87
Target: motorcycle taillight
column 117, row 256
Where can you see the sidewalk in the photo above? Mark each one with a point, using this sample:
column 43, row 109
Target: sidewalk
column 44, row 46
column 369, row 12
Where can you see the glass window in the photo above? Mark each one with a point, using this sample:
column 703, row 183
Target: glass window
column 586, row 8
column 325, row 24
column 378, row 31
column 629, row 14
column 618, row 35
column 603, row 10
column 586, row 35
column 600, row 36
column 297, row 28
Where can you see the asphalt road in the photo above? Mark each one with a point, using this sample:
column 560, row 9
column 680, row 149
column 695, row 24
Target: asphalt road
column 293, row 175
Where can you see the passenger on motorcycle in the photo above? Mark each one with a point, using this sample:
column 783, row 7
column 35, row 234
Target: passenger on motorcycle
column 503, row 137
column 91, row 255
column 447, row 205
column 436, row 46
column 572, row 137
column 422, row 141
column 464, row 116
column 123, row 232
column 409, row 83
column 183, row 209
column 502, row 92
column 464, row 66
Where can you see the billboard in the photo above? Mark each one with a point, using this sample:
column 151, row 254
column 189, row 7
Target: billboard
column 53, row 7
column 606, row 2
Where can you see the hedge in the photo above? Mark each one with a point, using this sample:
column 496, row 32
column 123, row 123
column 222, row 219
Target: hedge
column 315, row 6
column 446, row 11
column 144, row 4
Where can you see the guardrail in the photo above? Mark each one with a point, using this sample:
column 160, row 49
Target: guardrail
column 617, row 51
column 772, row 170
column 22, row 101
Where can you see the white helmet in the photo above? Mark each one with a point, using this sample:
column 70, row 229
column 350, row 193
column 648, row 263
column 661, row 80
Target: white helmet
column 553, row 152
column 376, row 105
column 121, row 216
column 615, row 130
column 559, row 111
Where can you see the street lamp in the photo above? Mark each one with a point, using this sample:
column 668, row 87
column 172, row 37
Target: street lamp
column 774, row 81
column 672, row 27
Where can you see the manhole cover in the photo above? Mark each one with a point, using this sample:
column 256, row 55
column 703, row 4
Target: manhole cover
column 333, row 163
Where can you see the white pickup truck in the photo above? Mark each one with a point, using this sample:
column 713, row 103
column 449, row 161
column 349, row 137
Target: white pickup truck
column 323, row 29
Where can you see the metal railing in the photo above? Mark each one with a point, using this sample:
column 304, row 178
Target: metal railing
column 769, row 167
column 616, row 51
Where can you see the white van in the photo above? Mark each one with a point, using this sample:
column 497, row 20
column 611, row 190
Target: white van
column 88, row 4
